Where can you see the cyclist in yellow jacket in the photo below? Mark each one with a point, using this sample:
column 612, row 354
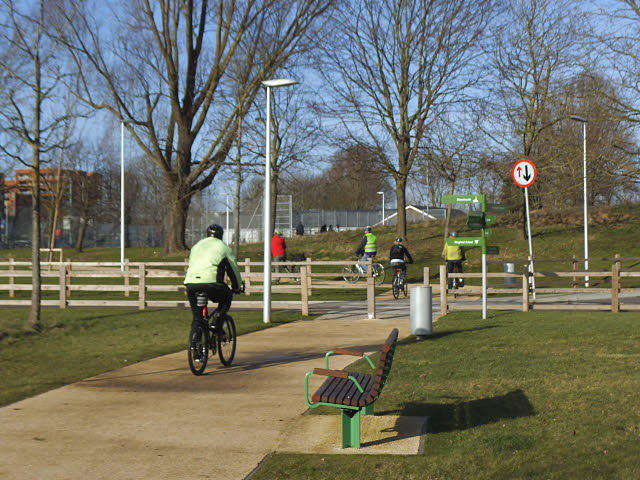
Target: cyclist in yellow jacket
column 454, row 255
column 368, row 247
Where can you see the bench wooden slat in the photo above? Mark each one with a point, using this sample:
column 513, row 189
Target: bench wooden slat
column 334, row 384
column 366, row 385
column 343, row 391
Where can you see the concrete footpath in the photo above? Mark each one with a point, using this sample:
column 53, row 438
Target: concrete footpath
column 155, row 420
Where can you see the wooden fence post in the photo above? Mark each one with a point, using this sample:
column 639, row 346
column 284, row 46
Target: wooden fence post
column 142, row 288
column 371, row 290
column 617, row 258
column 68, row 280
column 309, row 279
column 615, row 288
column 426, row 276
column 304, row 293
column 126, row 277
column 575, row 269
column 63, row 285
column 247, row 276
column 443, row 290
column 12, row 292
column 525, row 289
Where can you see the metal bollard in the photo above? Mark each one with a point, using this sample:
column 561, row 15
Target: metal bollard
column 420, row 308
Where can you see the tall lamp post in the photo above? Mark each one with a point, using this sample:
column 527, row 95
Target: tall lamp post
column 266, row 311
column 227, row 207
column 584, row 179
column 122, row 195
column 382, row 193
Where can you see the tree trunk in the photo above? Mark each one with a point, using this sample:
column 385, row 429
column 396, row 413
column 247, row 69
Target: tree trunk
column 177, row 219
column 401, row 186
column 523, row 231
column 274, row 200
column 35, row 322
column 81, row 232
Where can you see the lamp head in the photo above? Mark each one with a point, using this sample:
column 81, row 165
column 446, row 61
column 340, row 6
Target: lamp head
column 279, row 82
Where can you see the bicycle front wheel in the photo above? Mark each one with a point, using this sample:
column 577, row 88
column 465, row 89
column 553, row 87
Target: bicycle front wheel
column 226, row 338
column 350, row 274
column 198, row 352
column 378, row 273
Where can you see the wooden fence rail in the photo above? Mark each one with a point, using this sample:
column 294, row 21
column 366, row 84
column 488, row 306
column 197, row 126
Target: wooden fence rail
column 301, row 283
column 615, row 274
column 136, row 278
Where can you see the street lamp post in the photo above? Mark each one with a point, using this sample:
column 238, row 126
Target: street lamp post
column 382, row 193
column 584, row 180
column 122, row 195
column 227, row 207
column 266, row 311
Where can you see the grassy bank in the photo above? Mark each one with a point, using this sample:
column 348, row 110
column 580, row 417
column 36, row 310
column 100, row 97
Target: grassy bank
column 80, row 343
column 521, row 395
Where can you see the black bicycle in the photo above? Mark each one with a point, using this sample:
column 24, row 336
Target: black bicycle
column 399, row 283
column 457, row 281
column 206, row 335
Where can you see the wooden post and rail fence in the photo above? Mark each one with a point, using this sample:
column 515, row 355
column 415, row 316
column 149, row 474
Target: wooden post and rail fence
column 144, row 278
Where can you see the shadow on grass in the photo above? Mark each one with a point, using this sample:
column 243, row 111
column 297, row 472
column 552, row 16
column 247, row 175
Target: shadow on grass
column 441, row 334
column 455, row 416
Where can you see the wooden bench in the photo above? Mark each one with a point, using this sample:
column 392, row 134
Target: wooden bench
column 353, row 393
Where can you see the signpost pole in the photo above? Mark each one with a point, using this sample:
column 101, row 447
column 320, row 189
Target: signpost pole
column 532, row 277
column 484, row 285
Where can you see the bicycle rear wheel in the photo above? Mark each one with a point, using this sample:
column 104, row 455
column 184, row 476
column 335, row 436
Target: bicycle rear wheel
column 226, row 338
column 350, row 274
column 396, row 287
column 405, row 287
column 198, row 351
column 378, row 273
column 295, row 269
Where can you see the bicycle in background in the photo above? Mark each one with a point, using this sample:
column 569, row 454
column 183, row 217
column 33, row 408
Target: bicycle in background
column 399, row 283
column 351, row 272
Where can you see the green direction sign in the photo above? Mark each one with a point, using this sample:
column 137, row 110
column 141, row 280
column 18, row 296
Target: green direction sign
column 490, row 219
column 497, row 208
column 466, row 241
column 479, row 199
column 488, row 232
column 492, row 250
column 475, row 222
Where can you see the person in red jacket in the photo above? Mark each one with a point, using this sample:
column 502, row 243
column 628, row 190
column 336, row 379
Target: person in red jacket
column 278, row 250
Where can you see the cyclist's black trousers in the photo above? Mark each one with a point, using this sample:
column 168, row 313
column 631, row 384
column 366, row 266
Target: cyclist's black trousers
column 453, row 266
column 399, row 266
column 220, row 294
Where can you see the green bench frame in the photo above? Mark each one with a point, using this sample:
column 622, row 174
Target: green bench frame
column 352, row 393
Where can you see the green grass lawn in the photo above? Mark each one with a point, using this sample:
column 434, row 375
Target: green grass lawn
column 520, row 395
column 77, row 343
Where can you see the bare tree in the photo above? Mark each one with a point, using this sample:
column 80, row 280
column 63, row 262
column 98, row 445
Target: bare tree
column 535, row 47
column 32, row 76
column 394, row 67
column 165, row 74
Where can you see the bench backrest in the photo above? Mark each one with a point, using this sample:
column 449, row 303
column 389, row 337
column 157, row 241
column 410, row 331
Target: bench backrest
column 384, row 364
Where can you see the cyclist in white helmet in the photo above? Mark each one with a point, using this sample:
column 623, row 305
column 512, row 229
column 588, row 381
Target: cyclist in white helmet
column 396, row 257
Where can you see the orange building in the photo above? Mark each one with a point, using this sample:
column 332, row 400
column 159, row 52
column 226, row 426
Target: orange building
column 18, row 191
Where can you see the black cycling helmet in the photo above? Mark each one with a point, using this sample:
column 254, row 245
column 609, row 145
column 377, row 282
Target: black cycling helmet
column 398, row 240
column 215, row 230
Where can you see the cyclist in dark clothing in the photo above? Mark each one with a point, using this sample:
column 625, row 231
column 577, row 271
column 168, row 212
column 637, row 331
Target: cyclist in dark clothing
column 397, row 255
